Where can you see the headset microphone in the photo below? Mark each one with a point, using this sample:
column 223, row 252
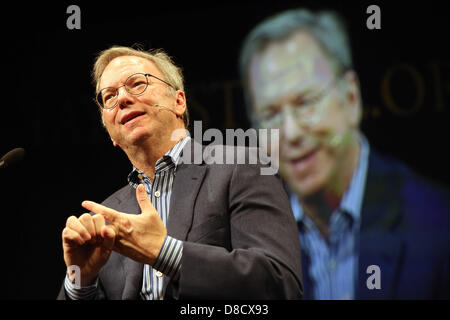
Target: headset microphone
column 164, row 107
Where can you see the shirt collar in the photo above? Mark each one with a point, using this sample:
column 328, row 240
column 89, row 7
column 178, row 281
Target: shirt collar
column 169, row 159
column 177, row 150
column 352, row 198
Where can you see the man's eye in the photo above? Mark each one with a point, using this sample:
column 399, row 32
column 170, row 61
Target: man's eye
column 108, row 97
column 138, row 83
column 269, row 113
column 298, row 101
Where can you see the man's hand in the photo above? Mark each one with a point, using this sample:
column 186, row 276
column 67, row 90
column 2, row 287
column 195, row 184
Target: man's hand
column 87, row 243
column 139, row 237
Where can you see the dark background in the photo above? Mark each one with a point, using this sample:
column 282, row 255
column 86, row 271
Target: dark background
column 47, row 105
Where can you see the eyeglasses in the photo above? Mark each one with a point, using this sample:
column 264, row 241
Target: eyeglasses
column 306, row 109
column 135, row 84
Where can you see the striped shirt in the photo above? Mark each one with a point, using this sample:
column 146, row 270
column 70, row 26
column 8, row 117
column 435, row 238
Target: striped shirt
column 334, row 264
column 168, row 262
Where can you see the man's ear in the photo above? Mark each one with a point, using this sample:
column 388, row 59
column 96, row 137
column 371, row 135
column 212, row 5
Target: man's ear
column 180, row 103
column 352, row 98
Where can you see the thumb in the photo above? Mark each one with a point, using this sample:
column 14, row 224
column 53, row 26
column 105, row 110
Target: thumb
column 143, row 199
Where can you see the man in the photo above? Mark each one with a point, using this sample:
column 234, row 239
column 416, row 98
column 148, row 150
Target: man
column 369, row 227
column 208, row 231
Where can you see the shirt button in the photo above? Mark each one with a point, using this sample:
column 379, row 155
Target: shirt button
column 159, row 274
column 157, row 193
column 332, row 265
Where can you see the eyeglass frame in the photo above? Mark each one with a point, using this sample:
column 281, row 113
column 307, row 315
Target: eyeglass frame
column 124, row 85
column 313, row 102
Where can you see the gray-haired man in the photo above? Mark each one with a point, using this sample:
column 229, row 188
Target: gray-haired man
column 363, row 228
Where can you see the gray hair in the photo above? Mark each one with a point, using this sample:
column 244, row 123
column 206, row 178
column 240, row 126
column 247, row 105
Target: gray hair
column 327, row 28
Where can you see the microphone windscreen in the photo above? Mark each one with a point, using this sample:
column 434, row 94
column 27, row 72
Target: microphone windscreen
column 13, row 156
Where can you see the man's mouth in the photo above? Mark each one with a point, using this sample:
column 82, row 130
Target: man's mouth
column 304, row 161
column 130, row 116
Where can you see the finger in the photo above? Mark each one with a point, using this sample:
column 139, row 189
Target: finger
column 109, row 236
column 143, row 199
column 88, row 223
column 71, row 237
column 75, row 224
column 110, row 214
column 99, row 222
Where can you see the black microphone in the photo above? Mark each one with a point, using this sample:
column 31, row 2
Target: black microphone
column 12, row 157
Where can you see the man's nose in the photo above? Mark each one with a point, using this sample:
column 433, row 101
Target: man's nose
column 291, row 130
column 124, row 98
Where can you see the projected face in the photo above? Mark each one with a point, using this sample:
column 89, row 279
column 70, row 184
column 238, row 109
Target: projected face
column 294, row 88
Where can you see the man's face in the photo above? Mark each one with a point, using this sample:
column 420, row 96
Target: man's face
column 135, row 117
column 294, row 88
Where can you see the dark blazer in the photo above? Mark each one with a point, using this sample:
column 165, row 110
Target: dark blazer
column 240, row 237
column 405, row 230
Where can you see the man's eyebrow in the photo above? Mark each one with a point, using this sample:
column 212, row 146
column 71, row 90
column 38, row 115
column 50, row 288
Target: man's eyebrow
column 108, row 88
column 311, row 89
column 115, row 83
column 271, row 107
column 305, row 92
column 264, row 107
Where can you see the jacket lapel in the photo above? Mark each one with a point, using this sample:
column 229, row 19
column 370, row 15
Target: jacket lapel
column 186, row 185
column 378, row 245
column 189, row 176
column 188, row 179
